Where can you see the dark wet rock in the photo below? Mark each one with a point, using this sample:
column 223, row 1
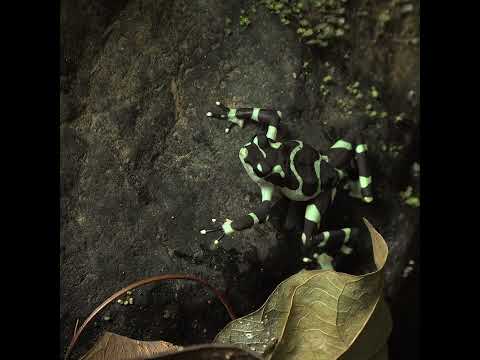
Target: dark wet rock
column 143, row 170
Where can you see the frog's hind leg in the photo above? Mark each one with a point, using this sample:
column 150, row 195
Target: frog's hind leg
column 330, row 243
column 293, row 219
column 287, row 215
column 279, row 213
column 313, row 215
column 336, row 240
column 352, row 146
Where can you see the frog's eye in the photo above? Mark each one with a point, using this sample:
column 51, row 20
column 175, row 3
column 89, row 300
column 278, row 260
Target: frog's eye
column 243, row 153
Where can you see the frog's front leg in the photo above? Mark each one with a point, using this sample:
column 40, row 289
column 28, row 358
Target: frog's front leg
column 227, row 114
column 258, row 216
column 238, row 116
column 268, row 116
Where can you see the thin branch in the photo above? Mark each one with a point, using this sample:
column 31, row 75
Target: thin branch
column 76, row 326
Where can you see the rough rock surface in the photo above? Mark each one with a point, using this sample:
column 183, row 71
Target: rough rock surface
column 143, row 170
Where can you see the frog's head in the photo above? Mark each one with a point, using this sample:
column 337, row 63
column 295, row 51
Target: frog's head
column 257, row 161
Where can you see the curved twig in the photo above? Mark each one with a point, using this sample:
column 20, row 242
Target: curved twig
column 138, row 284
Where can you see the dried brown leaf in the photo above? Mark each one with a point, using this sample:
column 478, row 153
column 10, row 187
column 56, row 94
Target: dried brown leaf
column 211, row 352
column 116, row 347
column 321, row 314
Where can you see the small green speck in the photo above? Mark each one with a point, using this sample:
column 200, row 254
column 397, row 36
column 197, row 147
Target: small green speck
column 384, row 16
column 399, row 117
column 308, row 32
column 416, row 169
column 407, row 193
column 304, row 22
column 413, row 201
column 407, row 8
column 414, row 41
column 244, row 21
column 411, row 95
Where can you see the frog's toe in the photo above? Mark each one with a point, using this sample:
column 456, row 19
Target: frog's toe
column 347, row 250
column 214, row 245
column 221, row 106
column 216, row 115
column 206, row 231
column 304, row 239
column 325, row 261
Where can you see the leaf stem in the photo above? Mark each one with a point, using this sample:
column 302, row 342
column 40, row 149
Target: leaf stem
column 75, row 330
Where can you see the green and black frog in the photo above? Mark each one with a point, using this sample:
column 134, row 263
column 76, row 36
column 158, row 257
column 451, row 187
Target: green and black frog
column 300, row 174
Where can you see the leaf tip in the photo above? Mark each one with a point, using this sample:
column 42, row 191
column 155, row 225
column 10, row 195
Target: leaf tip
column 379, row 245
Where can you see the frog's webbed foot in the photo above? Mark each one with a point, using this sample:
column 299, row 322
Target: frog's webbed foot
column 322, row 261
column 223, row 107
column 216, row 242
column 222, row 115
column 224, row 229
column 226, row 114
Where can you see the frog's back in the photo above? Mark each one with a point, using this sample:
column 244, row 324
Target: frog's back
column 307, row 165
